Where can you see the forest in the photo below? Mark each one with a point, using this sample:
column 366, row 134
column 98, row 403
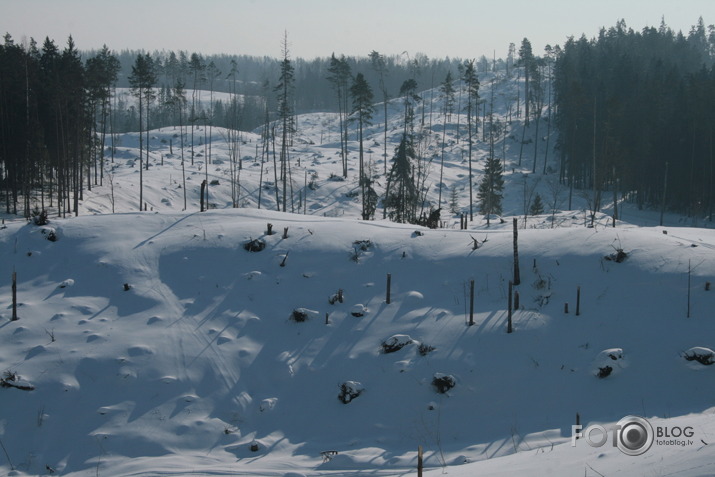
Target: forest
column 635, row 110
column 636, row 116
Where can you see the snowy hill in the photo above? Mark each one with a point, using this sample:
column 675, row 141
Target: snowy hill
column 202, row 355
column 156, row 344
column 317, row 186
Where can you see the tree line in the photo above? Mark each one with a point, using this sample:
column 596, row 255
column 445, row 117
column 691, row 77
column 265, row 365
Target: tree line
column 636, row 117
column 54, row 113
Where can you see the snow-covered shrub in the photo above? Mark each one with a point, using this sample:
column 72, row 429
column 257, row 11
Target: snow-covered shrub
column 604, row 372
column 349, row 390
column 254, row 245
column 607, row 362
column 443, row 382
column 362, row 245
column 11, row 379
column 704, row 356
column 618, row 256
column 395, row 343
column 425, row 349
column 299, row 315
column 40, row 216
column 50, row 234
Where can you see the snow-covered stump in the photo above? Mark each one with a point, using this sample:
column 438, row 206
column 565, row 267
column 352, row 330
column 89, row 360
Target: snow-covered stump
column 359, row 310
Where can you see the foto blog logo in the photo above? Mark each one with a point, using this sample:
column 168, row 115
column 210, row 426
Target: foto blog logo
column 632, row 435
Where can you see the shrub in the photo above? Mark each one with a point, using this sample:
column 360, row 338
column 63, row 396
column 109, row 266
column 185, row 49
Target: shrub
column 40, row 216
column 425, row 349
column 299, row 315
column 349, row 390
column 443, row 382
column 395, row 343
column 254, row 245
column 604, row 372
column 703, row 356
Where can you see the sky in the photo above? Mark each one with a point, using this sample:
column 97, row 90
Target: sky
column 317, row 28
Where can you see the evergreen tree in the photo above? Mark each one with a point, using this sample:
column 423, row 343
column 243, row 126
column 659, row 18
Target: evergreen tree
column 447, row 93
column 408, row 92
column 379, row 64
column 102, row 71
column 196, row 67
column 401, row 196
column 454, row 201
column 339, row 76
column 469, row 76
column 284, row 88
column 537, row 207
column 490, row 189
column 526, row 59
column 362, row 114
column 142, row 80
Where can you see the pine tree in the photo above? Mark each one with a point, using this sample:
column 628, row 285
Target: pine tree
column 362, row 114
column 142, row 81
column 401, row 195
column 537, row 207
column 284, row 88
column 339, row 76
column 490, row 189
column 447, row 93
column 409, row 99
column 380, row 67
column 454, row 201
column 469, row 77
column 526, row 59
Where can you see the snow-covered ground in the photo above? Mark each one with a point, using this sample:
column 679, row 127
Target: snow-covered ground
column 157, row 344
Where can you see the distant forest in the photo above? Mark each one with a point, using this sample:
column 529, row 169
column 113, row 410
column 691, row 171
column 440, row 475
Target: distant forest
column 257, row 76
column 635, row 110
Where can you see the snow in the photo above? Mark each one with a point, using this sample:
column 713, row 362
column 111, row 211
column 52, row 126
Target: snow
column 197, row 358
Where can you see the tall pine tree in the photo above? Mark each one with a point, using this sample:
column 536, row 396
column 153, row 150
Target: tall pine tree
column 362, row 114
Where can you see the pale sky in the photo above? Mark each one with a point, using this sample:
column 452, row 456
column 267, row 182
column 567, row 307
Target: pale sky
column 317, row 28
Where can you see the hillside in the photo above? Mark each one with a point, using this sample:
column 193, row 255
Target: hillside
column 200, row 357
column 156, row 344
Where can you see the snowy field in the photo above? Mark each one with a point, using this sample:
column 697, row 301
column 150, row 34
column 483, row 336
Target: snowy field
column 154, row 344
